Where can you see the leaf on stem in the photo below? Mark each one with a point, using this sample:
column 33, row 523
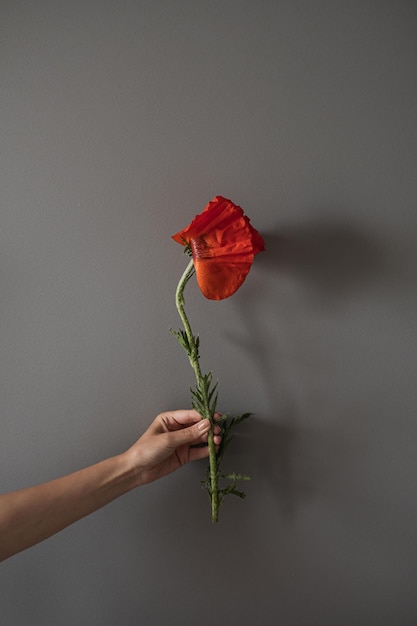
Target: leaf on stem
column 228, row 425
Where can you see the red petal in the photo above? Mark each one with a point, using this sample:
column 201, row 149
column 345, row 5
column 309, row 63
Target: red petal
column 223, row 244
column 218, row 280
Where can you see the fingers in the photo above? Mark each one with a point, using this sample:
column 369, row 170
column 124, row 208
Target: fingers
column 174, row 420
column 217, row 436
column 202, row 451
column 190, row 435
column 195, row 434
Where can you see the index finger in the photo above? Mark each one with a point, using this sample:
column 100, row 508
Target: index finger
column 174, row 420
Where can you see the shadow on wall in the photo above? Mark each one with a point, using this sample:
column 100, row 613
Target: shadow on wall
column 333, row 261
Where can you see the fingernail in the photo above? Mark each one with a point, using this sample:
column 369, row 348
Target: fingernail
column 204, row 425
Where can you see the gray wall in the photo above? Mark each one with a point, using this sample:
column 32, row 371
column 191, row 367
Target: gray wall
column 119, row 121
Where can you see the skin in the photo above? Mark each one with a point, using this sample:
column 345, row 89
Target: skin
column 31, row 515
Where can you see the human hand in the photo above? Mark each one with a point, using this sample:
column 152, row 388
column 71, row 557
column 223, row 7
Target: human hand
column 172, row 440
column 30, row 515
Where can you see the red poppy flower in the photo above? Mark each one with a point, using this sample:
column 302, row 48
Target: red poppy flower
column 223, row 244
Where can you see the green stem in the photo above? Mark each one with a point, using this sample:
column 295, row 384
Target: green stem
column 194, row 361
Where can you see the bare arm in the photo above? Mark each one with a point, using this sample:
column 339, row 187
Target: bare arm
column 31, row 515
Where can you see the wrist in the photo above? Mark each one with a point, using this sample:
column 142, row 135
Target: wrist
column 132, row 469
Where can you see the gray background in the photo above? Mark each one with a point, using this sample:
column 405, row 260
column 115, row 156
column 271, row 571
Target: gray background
column 119, row 122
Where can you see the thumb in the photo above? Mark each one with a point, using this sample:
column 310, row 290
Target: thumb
column 190, row 435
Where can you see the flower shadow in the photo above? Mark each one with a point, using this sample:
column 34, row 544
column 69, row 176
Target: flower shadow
column 331, row 258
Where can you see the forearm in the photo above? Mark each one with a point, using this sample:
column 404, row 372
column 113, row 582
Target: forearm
column 31, row 515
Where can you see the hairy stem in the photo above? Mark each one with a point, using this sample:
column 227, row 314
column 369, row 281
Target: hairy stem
column 192, row 352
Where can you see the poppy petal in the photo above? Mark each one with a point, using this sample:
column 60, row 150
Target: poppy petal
column 219, row 280
column 223, row 245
